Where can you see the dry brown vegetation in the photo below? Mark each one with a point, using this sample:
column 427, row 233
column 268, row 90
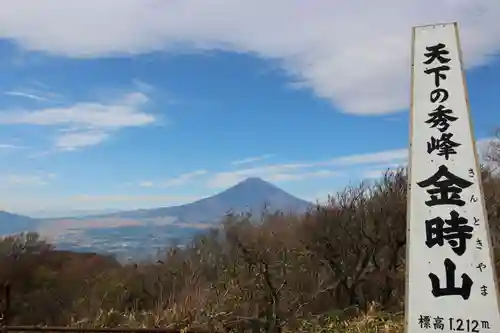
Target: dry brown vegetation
column 306, row 273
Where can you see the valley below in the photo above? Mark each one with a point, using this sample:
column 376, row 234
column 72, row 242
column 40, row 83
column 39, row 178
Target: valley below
column 140, row 234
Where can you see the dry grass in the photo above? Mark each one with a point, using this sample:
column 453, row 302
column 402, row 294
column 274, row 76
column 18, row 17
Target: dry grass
column 372, row 321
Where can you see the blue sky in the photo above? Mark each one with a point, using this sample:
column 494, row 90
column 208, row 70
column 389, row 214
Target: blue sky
column 155, row 110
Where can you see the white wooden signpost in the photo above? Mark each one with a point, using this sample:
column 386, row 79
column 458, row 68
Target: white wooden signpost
column 450, row 280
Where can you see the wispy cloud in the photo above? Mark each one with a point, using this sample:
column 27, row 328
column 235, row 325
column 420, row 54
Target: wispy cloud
column 373, row 63
column 86, row 123
column 145, row 183
column 142, row 86
column 26, row 95
column 401, row 160
column 132, row 198
column 252, row 159
column 73, row 141
column 94, row 115
column 278, row 177
column 175, row 181
column 35, row 91
column 36, row 179
column 274, row 173
column 377, row 172
column 29, row 203
column 184, row 178
column 8, row 146
column 369, row 165
column 306, row 170
column 379, row 157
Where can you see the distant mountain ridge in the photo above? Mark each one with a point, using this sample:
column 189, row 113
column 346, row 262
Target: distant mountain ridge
column 14, row 223
column 140, row 233
column 250, row 195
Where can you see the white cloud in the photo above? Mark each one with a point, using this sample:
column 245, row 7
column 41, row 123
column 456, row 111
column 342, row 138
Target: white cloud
column 302, row 170
column 146, row 183
column 176, row 181
column 25, row 95
column 142, row 86
column 86, row 123
column 35, row 91
column 184, row 178
column 94, row 115
column 376, row 173
column 131, row 198
column 482, row 146
column 75, row 205
column 355, row 53
column 36, row 179
column 272, row 173
column 379, row 157
column 252, row 159
column 375, row 164
column 73, row 141
column 7, row 146
column 278, row 177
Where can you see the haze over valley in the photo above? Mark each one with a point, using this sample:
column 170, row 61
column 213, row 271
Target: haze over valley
column 139, row 234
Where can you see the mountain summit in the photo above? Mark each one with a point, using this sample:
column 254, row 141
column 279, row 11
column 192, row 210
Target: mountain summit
column 250, row 195
column 148, row 233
